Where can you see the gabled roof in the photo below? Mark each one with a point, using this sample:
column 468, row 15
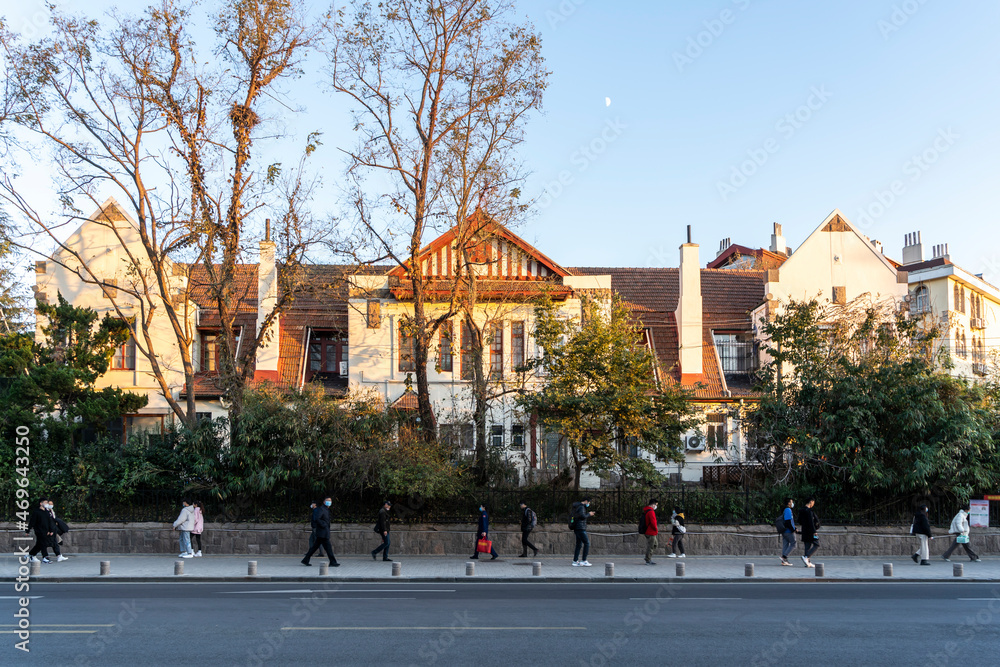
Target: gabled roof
column 836, row 222
column 505, row 255
column 728, row 297
column 762, row 259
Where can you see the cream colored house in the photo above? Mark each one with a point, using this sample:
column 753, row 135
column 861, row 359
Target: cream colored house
column 962, row 305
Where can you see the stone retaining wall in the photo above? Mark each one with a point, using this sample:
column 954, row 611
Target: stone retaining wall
column 440, row 539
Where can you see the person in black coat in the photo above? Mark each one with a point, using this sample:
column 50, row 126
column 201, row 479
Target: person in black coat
column 322, row 534
column 382, row 528
column 312, row 523
column 41, row 522
column 528, row 522
column 809, row 524
column 922, row 528
column 483, row 532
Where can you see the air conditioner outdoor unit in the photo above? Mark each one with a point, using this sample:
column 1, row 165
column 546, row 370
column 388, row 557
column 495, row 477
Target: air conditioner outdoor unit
column 343, row 368
column 694, row 443
column 977, row 323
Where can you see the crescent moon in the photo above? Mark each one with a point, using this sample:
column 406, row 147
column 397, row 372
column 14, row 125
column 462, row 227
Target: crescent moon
column 607, row 101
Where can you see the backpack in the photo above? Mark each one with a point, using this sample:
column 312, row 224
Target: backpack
column 642, row 523
column 779, row 523
column 532, row 518
column 571, row 523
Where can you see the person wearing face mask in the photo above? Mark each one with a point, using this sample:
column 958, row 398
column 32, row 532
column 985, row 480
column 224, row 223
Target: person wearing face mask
column 677, row 530
column 483, row 533
column 185, row 524
column 960, row 529
column 322, row 534
column 59, row 528
column 788, row 537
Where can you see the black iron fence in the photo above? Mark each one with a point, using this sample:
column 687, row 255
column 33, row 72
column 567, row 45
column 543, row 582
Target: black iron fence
column 704, row 506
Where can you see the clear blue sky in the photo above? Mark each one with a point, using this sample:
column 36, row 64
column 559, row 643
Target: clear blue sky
column 699, row 88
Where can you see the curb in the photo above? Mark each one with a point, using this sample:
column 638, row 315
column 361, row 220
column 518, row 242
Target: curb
column 512, row 580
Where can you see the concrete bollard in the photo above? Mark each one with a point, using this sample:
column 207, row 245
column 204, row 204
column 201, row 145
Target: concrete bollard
column 536, row 569
column 680, row 569
column 35, row 569
column 324, row 569
column 397, row 569
column 748, row 570
column 470, row 569
column 251, row 568
column 957, row 569
column 820, row 570
column 178, row 567
column 105, row 567
column 886, row 569
column 609, row 569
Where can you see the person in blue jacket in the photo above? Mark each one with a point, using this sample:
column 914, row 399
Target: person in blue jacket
column 788, row 537
column 483, row 532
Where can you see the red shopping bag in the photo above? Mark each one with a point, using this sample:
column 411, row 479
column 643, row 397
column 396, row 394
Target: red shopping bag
column 484, row 546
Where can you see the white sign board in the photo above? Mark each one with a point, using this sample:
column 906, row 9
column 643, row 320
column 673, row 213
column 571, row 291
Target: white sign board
column 979, row 513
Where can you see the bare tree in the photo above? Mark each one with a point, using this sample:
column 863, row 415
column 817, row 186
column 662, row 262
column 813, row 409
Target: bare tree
column 440, row 93
column 133, row 107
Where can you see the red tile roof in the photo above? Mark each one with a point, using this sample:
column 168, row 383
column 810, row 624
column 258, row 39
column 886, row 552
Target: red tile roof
column 762, row 259
column 728, row 296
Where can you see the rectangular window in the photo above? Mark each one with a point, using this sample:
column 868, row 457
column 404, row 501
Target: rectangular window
column 124, row 359
column 374, row 315
column 496, row 435
column 327, row 354
column 445, row 357
column 407, row 362
column 738, row 353
column 468, row 358
column 718, row 438
column 516, row 344
column 209, row 352
column 203, row 416
column 517, row 437
column 496, row 351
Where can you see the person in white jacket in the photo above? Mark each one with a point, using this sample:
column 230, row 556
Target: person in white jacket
column 960, row 529
column 185, row 523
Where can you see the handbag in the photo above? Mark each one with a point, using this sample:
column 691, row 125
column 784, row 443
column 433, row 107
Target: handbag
column 484, row 546
column 962, row 539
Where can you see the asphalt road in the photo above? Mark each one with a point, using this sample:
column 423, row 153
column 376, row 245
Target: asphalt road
column 815, row 623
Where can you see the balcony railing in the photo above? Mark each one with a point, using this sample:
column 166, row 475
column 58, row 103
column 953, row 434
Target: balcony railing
column 737, row 356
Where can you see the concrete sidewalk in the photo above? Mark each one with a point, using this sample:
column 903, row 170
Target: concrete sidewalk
column 145, row 567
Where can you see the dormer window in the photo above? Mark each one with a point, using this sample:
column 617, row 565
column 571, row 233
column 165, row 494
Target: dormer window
column 327, row 354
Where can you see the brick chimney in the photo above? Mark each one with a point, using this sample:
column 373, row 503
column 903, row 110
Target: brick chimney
column 267, row 298
column 688, row 313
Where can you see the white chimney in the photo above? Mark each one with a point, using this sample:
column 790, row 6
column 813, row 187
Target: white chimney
column 267, row 299
column 688, row 313
column 723, row 246
column 913, row 249
column 941, row 251
column 877, row 245
column 778, row 241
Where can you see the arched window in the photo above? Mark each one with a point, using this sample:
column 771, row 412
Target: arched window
column 922, row 300
column 958, row 343
column 965, row 350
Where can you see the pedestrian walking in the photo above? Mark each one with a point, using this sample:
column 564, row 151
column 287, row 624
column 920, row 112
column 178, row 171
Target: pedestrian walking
column 809, row 524
column 578, row 521
column 185, row 524
column 382, row 528
column 677, row 532
column 960, row 529
column 199, row 526
column 483, row 533
column 322, row 534
column 788, row 535
column 59, row 528
column 649, row 529
column 921, row 527
column 314, row 512
column 528, row 522
column 40, row 522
